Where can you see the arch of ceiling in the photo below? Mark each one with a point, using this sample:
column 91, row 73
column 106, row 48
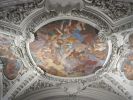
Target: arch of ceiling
column 22, row 28
column 57, row 93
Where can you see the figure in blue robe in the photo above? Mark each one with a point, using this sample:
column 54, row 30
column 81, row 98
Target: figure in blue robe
column 76, row 34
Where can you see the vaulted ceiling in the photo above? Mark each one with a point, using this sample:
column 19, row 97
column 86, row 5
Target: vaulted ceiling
column 66, row 49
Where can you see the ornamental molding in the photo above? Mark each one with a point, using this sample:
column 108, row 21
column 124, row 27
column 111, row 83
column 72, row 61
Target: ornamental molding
column 28, row 21
column 73, row 88
column 55, row 91
column 114, row 9
column 9, row 29
column 16, row 13
column 123, row 90
column 21, row 84
column 122, row 11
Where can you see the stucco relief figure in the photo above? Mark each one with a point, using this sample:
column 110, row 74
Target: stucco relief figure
column 9, row 61
column 128, row 63
column 68, row 48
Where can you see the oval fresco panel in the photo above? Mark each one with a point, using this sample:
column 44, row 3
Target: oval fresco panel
column 128, row 62
column 128, row 66
column 68, row 48
column 11, row 66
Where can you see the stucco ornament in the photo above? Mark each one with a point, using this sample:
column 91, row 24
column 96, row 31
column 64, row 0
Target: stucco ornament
column 64, row 5
column 23, row 22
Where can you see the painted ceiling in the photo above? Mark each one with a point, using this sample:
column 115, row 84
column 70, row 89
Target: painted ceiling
column 66, row 47
column 69, row 48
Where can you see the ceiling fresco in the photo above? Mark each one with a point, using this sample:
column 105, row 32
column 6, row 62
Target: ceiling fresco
column 10, row 64
column 128, row 60
column 68, row 48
